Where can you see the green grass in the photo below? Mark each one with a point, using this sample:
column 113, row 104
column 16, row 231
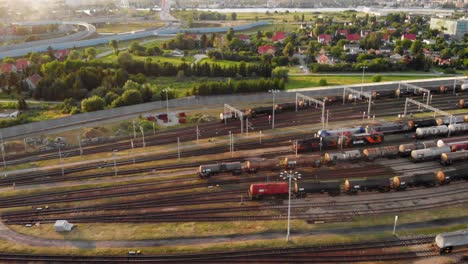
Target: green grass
column 121, row 27
column 296, row 82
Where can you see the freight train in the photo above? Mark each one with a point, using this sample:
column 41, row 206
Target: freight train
column 445, row 242
column 354, row 186
column 448, row 153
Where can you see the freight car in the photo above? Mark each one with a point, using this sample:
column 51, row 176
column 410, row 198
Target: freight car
column 405, row 149
column 385, row 94
column 445, row 242
column 457, row 146
column 462, row 103
column 205, row 171
column 362, row 139
column 353, row 186
column 458, row 128
column 275, row 189
column 256, row 164
column 291, row 162
column 400, row 183
column 428, row 154
column 452, row 157
column 331, row 158
column 381, row 152
column 304, row 188
column 455, row 174
column 433, row 131
column 388, row 128
column 454, row 120
column 315, row 144
column 414, row 124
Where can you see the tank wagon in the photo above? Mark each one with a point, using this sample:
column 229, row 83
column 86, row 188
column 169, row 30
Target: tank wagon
column 406, row 149
column 462, row 103
column 205, row 171
column 455, row 120
column 381, row 152
column 291, row 162
column 428, row 154
column 458, row 128
column 331, row 187
column 352, row 186
column 254, row 165
column 350, row 155
column 455, row 174
column 400, row 183
column 446, row 242
column 413, row 124
column 451, row 157
column 434, row 131
column 260, row 190
column 459, row 146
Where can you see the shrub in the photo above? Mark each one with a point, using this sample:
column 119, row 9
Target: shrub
column 376, row 78
column 323, row 82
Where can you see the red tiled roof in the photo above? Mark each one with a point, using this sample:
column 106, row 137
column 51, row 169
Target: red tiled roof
column 324, row 37
column 343, row 32
column 243, row 37
column 353, row 37
column 386, row 37
column 35, row 78
column 22, row 64
column 279, row 36
column 323, row 59
column 62, row 53
column 266, row 49
column 7, row 67
column 408, row 36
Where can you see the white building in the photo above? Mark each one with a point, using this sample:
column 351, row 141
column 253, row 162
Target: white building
column 457, row 28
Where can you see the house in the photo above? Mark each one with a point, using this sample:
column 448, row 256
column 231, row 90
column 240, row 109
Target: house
column 7, row 68
column 61, row 54
column 353, row 37
column 342, row 32
column 306, row 26
column 22, row 64
column 324, row 38
column 396, row 57
column 386, row 38
column 429, row 41
column 191, row 36
column 365, row 33
column 177, row 53
column 244, row 38
column 409, row 36
column 267, row 50
column 352, row 48
column 302, row 50
column 324, row 59
column 279, row 37
column 33, row 80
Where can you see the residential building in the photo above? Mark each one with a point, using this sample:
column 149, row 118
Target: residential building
column 409, row 36
column 244, row 38
column 353, row 37
column 324, row 38
column 7, row 68
column 279, row 37
column 267, row 50
column 33, row 80
column 324, row 59
column 352, row 48
column 22, row 64
column 62, row 54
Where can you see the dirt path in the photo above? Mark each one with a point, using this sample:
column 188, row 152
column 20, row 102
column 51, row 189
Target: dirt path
column 9, row 235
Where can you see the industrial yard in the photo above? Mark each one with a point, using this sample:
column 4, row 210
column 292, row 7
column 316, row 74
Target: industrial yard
column 221, row 189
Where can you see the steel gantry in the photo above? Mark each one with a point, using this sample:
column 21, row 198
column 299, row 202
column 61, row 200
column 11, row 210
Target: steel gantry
column 416, row 88
column 352, row 91
column 237, row 112
column 435, row 110
column 317, row 103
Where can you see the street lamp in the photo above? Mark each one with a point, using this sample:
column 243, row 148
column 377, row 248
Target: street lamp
column 362, row 79
column 291, row 175
column 273, row 91
column 167, row 102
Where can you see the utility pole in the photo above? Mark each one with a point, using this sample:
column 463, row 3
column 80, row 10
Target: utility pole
column 394, row 225
column 3, row 153
column 79, row 144
column 143, row 135
column 296, row 146
column 273, row 91
column 232, row 144
column 363, row 115
column 261, row 137
column 154, row 128
column 326, row 125
column 289, row 175
column 134, row 131
column 115, row 162
column 60, row 160
column 362, row 79
column 25, row 145
column 198, row 134
column 133, row 154
column 167, row 102
column 178, row 148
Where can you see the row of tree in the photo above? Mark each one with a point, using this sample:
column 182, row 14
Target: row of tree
column 243, row 86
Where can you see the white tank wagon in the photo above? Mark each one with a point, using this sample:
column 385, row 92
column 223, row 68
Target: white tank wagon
column 454, row 120
column 405, row 149
column 342, row 156
column 422, row 132
column 445, row 242
column 428, row 154
column 458, row 128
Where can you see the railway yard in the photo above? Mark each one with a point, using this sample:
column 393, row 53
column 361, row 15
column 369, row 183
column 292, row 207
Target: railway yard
column 211, row 192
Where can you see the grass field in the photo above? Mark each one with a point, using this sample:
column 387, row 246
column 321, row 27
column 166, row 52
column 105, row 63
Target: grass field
column 122, row 27
column 296, row 82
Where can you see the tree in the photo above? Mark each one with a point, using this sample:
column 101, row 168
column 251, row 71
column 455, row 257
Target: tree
column 131, row 97
column 234, row 16
column 74, row 55
column 280, row 72
column 125, row 59
column 288, row 49
column 204, row 41
column 416, row 47
column 90, row 53
column 114, row 44
column 52, row 70
column 21, row 105
column 92, row 104
column 230, row 34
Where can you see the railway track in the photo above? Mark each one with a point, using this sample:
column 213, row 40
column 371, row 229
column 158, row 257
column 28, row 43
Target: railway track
column 328, row 253
column 387, row 108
